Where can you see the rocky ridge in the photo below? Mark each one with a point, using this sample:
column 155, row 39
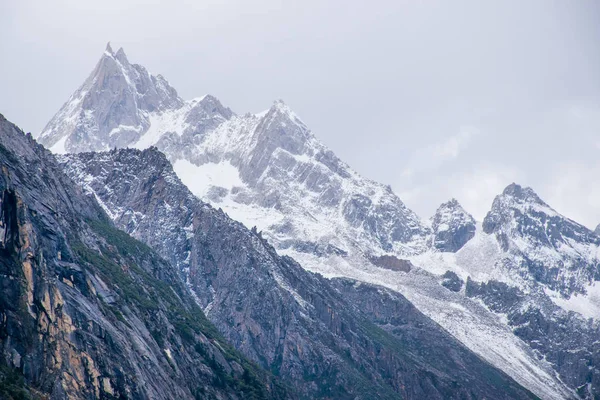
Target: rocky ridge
column 539, row 271
column 295, row 323
column 544, row 245
column 88, row 312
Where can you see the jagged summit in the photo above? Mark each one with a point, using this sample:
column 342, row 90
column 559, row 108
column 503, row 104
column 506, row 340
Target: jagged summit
column 121, row 56
column 597, row 230
column 554, row 250
column 525, row 194
column 451, row 204
column 280, row 106
column 452, row 226
column 122, row 105
column 268, row 164
column 516, row 200
column 114, row 107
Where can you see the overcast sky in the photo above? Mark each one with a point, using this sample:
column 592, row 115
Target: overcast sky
column 439, row 99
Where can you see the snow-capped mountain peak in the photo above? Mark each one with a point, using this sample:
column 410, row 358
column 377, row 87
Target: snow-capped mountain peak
column 279, row 107
column 452, row 226
column 550, row 248
column 523, row 194
column 282, row 176
column 112, row 108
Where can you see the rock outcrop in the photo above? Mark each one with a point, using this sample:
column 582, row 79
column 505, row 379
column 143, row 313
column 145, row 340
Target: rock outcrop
column 452, row 227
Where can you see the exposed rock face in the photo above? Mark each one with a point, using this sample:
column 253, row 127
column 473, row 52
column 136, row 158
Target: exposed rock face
column 565, row 339
column 112, row 108
column 451, row 281
column 597, row 230
column 543, row 245
column 390, row 311
column 452, row 227
column 539, row 271
column 287, row 319
column 86, row 311
column 543, row 278
column 393, row 263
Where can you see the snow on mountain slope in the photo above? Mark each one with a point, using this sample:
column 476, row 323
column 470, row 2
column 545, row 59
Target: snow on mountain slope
column 539, row 271
column 113, row 107
column 268, row 170
column 587, row 304
column 307, row 198
column 480, row 259
column 525, row 243
column 544, row 245
column 301, row 325
column 471, row 322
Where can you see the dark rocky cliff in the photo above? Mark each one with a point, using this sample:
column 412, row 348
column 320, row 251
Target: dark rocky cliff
column 88, row 312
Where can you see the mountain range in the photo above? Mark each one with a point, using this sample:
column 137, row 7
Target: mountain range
column 327, row 280
column 297, row 324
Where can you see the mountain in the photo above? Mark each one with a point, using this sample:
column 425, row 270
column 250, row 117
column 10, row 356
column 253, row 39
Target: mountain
column 112, row 108
column 269, row 171
column 557, row 309
column 273, row 164
column 547, row 247
column 452, row 227
column 539, row 271
column 88, row 312
column 293, row 322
